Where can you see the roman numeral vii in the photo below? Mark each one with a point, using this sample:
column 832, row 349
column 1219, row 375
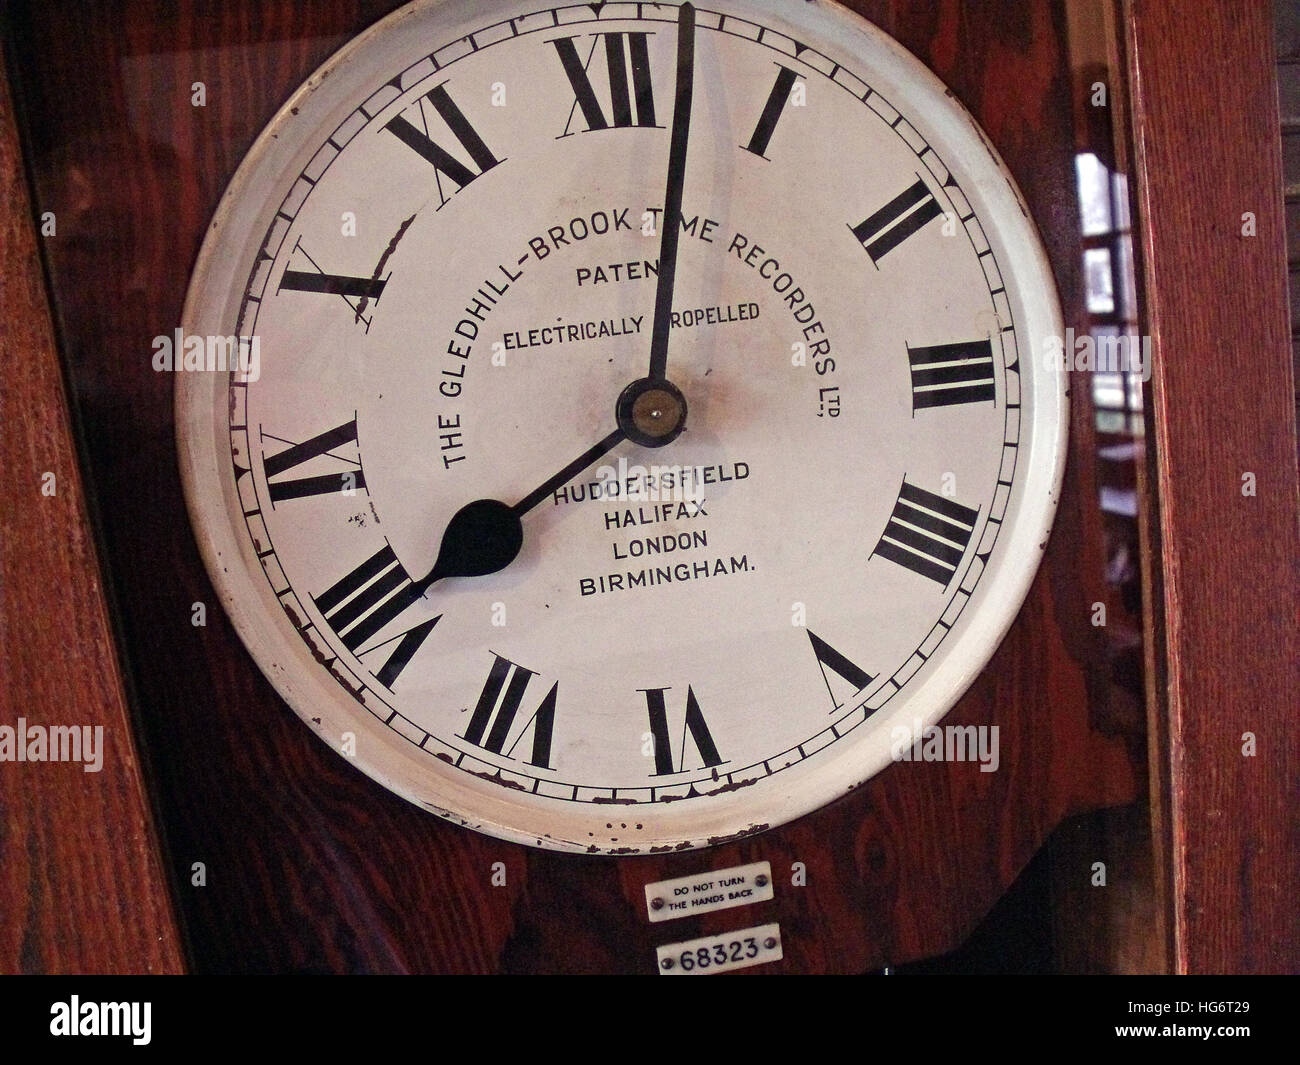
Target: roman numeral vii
column 498, row 707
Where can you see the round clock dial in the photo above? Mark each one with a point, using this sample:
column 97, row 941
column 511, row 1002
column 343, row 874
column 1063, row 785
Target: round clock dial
column 634, row 424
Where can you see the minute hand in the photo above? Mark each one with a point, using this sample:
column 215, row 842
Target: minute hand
column 672, row 217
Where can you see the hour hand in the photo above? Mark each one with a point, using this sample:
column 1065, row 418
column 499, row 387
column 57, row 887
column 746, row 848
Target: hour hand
column 485, row 536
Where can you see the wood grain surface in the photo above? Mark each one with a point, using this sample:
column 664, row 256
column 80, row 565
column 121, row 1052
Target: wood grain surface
column 310, row 865
column 1226, row 640
column 82, row 889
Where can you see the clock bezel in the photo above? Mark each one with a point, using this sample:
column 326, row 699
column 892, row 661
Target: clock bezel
column 203, row 444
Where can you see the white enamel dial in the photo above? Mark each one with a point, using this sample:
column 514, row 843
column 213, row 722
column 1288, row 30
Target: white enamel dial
column 445, row 256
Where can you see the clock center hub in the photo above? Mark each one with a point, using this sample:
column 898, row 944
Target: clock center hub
column 651, row 412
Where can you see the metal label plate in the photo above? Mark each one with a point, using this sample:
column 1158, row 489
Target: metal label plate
column 722, row 952
column 720, row 889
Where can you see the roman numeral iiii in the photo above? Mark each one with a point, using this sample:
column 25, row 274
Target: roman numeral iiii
column 927, row 534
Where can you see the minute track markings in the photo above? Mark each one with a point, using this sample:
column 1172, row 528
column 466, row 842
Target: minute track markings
column 772, row 42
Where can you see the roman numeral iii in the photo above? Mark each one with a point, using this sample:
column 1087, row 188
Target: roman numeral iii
column 632, row 101
column 927, row 534
column 948, row 375
column 902, row 216
column 500, row 711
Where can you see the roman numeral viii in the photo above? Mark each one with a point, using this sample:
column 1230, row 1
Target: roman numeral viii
column 927, row 534
column 665, row 764
column 632, row 101
column 948, row 375
column 299, row 455
column 902, row 216
column 365, row 601
column 500, row 711
column 419, row 140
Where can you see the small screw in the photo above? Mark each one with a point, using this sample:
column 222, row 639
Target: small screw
column 656, row 904
column 770, row 943
column 761, row 880
column 667, row 963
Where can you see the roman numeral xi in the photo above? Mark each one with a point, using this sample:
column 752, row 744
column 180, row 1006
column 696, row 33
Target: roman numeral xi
column 420, row 141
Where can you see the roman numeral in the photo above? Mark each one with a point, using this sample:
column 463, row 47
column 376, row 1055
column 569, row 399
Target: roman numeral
column 948, row 375
column 300, row 454
column 829, row 658
column 694, row 724
column 897, row 220
column 500, row 712
column 444, row 163
column 632, row 102
column 404, row 645
column 356, row 292
column 367, row 599
column 927, row 534
column 772, row 112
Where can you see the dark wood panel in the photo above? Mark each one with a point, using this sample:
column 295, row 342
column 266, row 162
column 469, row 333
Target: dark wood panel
column 82, row 888
column 1227, row 643
column 313, row 867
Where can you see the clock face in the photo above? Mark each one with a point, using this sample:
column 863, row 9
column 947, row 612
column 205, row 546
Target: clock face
column 588, row 521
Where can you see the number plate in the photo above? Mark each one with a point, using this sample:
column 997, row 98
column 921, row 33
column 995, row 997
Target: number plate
column 721, row 953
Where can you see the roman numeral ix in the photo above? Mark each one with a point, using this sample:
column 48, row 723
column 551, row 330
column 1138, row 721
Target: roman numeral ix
column 298, row 455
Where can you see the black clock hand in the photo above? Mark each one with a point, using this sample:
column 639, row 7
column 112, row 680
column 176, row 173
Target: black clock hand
column 672, row 217
column 485, row 536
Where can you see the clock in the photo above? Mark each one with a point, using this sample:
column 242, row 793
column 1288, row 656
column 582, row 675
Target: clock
column 623, row 427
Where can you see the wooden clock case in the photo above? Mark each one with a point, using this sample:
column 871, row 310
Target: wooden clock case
column 307, row 865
